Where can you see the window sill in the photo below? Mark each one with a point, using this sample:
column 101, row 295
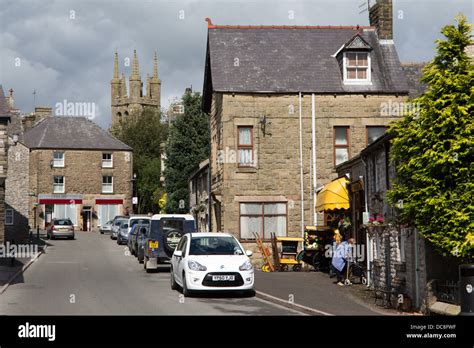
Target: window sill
column 246, row 170
column 357, row 83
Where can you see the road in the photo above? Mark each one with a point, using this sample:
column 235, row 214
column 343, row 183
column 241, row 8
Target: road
column 92, row 275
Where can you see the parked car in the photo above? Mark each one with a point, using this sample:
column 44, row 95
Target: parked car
column 116, row 225
column 211, row 261
column 60, row 228
column 122, row 235
column 163, row 236
column 138, row 219
column 107, row 227
column 132, row 239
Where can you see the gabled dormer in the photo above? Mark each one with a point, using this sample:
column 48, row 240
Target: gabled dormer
column 355, row 61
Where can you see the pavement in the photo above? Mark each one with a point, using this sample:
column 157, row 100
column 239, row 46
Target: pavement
column 312, row 293
column 92, row 275
column 11, row 269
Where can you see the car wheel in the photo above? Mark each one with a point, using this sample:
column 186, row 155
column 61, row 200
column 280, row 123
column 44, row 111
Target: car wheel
column 174, row 285
column 101, row 232
column 186, row 292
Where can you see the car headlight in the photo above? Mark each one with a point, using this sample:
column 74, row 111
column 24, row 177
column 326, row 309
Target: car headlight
column 246, row 266
column 196, row 266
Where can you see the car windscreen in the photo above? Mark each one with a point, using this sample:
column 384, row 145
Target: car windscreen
column 214, row 246
column 119, row 222
column 124, row 225
column 63, row 222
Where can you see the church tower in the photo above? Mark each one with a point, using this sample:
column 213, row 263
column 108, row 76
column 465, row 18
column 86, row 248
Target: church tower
column 135, row 101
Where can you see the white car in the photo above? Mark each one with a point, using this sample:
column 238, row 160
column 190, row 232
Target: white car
column 211, row 261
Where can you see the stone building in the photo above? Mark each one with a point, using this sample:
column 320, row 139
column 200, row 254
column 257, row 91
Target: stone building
column 135, row 101
column 253, row 79
column 199, row 196
column 5, row 117
column 400, row 260
column 67, row 167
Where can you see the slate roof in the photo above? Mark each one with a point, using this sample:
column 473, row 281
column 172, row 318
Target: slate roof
column 59, row 132
column 414, row 73
column 294, row 59
column 4, row 110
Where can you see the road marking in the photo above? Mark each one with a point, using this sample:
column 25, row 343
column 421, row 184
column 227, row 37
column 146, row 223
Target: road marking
column 285, row 303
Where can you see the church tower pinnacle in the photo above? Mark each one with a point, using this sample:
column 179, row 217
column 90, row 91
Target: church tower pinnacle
column 135, row 102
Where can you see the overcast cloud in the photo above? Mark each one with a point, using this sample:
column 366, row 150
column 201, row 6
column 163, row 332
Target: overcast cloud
column 72, row 58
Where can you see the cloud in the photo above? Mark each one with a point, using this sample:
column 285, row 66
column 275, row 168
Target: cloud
column 66, row 47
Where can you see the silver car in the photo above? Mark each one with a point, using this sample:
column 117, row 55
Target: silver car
column 60, row 228
column 107, row 227
column 116, row 227
column 122, row 235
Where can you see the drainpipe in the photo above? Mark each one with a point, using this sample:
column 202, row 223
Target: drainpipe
column 367, row 238
column 313, row 140
column 301, row 167
column 417, row 275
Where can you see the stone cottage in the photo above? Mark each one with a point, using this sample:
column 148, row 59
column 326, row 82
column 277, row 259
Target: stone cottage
column 263, row 86
column 66, row 167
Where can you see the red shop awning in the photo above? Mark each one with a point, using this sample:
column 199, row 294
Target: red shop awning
column 60, row 201
column 109, row 201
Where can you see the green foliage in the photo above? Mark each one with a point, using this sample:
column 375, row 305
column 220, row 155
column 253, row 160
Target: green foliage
column 434, row 150
column 187, row 146
column 144, row 133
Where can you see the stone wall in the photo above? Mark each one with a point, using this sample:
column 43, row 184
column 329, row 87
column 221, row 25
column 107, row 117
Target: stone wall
column 16, row 191
column 277, row 172
column 3, row 174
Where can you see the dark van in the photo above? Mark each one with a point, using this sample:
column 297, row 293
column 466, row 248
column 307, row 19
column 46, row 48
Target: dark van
column 163, row 236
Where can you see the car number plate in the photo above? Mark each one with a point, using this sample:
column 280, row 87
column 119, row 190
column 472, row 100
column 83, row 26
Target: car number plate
column 153, row 245
column 220, row 278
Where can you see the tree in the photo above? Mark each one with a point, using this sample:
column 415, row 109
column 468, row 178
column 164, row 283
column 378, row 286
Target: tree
column 144, row 132
column 187, row 146
column 433, row 150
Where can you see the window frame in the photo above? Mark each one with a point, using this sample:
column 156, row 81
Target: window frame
column 56, row 185
column 111, row 160
column 63, row 159
column 245, row 147
column 367, row 132
column 12, row 216
column 111, row 183
column 262, row 216
column 335, row 146
column 347, row 80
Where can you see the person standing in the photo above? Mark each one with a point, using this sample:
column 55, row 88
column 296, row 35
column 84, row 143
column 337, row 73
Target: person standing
column 340, row 259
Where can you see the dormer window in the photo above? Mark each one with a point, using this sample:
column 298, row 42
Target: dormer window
column 354, row 61
column 356, row 67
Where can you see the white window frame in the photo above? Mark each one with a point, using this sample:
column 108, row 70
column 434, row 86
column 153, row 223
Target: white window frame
column 111, row 185
column 108, row 163
column 57, row 185
column 59, row 163
column 367, row 81
column 12, row 216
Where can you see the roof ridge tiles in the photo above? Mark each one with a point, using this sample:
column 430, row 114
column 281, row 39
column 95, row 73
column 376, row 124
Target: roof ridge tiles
column 211, row 25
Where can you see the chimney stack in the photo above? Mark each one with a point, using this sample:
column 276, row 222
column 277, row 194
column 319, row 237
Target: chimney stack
column 381, row 17
column 42, row 112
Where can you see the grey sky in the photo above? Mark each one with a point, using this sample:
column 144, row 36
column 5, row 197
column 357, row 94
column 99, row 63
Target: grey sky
column 64, row 58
